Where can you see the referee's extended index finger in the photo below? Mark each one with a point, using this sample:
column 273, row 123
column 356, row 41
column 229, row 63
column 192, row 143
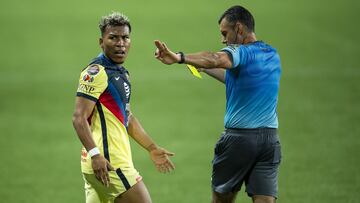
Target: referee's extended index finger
column 159, row 45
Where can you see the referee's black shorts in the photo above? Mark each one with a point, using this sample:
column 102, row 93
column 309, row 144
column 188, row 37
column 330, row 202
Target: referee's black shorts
column 247, row 155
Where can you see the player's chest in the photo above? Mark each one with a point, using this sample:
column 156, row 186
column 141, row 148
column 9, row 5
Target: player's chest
column 119, row 85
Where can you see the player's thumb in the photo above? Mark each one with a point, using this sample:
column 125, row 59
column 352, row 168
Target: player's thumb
column 169, row 153
column 109, row 167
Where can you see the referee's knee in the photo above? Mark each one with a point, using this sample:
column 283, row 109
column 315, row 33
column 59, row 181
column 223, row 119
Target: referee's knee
column 263, row 199
column 223, row 197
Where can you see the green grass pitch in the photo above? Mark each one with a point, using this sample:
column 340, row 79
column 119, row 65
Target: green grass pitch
column 45, row 44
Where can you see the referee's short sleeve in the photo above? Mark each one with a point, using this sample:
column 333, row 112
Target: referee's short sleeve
column 237, row 54
column 92, row 82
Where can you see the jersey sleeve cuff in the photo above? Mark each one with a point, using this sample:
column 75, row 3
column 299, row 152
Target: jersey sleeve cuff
column 80, row 94
column 230, row 56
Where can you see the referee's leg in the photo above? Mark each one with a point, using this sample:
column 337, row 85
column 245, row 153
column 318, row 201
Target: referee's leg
column 223, row 198
column 263, row 199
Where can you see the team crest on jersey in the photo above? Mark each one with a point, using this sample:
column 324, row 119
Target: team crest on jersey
column 88, row 78
column 93, row 69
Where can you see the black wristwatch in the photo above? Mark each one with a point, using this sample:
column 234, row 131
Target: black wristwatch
column 182, row 57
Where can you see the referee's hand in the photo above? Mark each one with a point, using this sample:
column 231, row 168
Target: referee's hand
column 164, row 54
column 101, row 166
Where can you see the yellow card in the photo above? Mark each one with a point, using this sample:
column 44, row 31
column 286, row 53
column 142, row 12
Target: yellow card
column 194, row 71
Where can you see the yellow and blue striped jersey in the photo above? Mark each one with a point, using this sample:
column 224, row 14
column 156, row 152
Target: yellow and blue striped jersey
column 108, row 85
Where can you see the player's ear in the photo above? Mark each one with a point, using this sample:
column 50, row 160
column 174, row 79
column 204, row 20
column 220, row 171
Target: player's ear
column 101, row 42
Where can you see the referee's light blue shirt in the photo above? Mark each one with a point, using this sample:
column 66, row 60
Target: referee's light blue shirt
column 252, row 86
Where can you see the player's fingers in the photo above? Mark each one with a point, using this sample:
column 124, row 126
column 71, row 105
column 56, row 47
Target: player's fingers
column 158, row 167
column 166, row 169
column 171, row 165
column 104, row 177
column 97, row 174
column 101, row 178
column 107, row 179
column 161, row 168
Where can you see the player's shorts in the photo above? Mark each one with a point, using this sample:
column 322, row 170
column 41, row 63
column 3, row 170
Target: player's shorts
column 247, row 155
column 120, row 182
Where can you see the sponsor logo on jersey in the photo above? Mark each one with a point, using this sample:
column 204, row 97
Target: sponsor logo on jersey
column 127, row 90
column 88, row 78
column 83, row 155
column 85, row 88
column 93, row 69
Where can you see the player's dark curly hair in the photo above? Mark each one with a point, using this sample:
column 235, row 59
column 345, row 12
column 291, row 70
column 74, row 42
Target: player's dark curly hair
column 114, row 19
column 239, row 14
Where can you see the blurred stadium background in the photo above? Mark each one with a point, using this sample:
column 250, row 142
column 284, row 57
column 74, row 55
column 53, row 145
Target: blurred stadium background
column 45, row 44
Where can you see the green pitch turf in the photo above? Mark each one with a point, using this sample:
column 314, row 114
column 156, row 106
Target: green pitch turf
column 45, row 44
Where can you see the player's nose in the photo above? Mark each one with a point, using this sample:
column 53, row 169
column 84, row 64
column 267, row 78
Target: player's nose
column 120, row 42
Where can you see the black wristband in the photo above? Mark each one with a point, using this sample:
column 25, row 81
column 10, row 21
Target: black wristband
column 182, row 57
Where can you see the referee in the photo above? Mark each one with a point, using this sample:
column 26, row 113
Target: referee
column 248, row 150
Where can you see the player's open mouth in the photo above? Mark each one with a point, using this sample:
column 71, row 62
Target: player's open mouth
column 120, row 53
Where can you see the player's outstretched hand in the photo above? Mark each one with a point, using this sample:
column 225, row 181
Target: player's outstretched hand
column 164, row 54
column 161, row 159
column 101, row 168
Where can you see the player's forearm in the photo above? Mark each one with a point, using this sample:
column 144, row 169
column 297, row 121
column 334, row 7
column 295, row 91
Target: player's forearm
column 137, row 132
column 83, row 131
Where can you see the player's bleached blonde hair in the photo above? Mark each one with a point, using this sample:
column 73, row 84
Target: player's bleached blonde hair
column 114, row 19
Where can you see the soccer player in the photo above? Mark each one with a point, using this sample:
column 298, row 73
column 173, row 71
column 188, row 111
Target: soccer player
column 248, row 151
column 103, row 122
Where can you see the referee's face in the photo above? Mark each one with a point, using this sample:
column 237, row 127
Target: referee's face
column 230, row 32
column 115, row 43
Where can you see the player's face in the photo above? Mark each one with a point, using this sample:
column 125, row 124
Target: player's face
column 115, row 43
column 229, row 32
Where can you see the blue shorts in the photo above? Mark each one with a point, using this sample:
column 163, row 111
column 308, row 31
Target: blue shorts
column 247, row 155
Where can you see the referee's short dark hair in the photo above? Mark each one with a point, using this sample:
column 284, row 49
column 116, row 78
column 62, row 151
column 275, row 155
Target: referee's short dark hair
column 241, row 14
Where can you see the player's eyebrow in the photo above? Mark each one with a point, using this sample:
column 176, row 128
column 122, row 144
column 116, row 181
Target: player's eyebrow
column 114, row 34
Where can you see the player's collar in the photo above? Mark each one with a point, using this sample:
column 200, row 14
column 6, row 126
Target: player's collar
column 109, row 64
